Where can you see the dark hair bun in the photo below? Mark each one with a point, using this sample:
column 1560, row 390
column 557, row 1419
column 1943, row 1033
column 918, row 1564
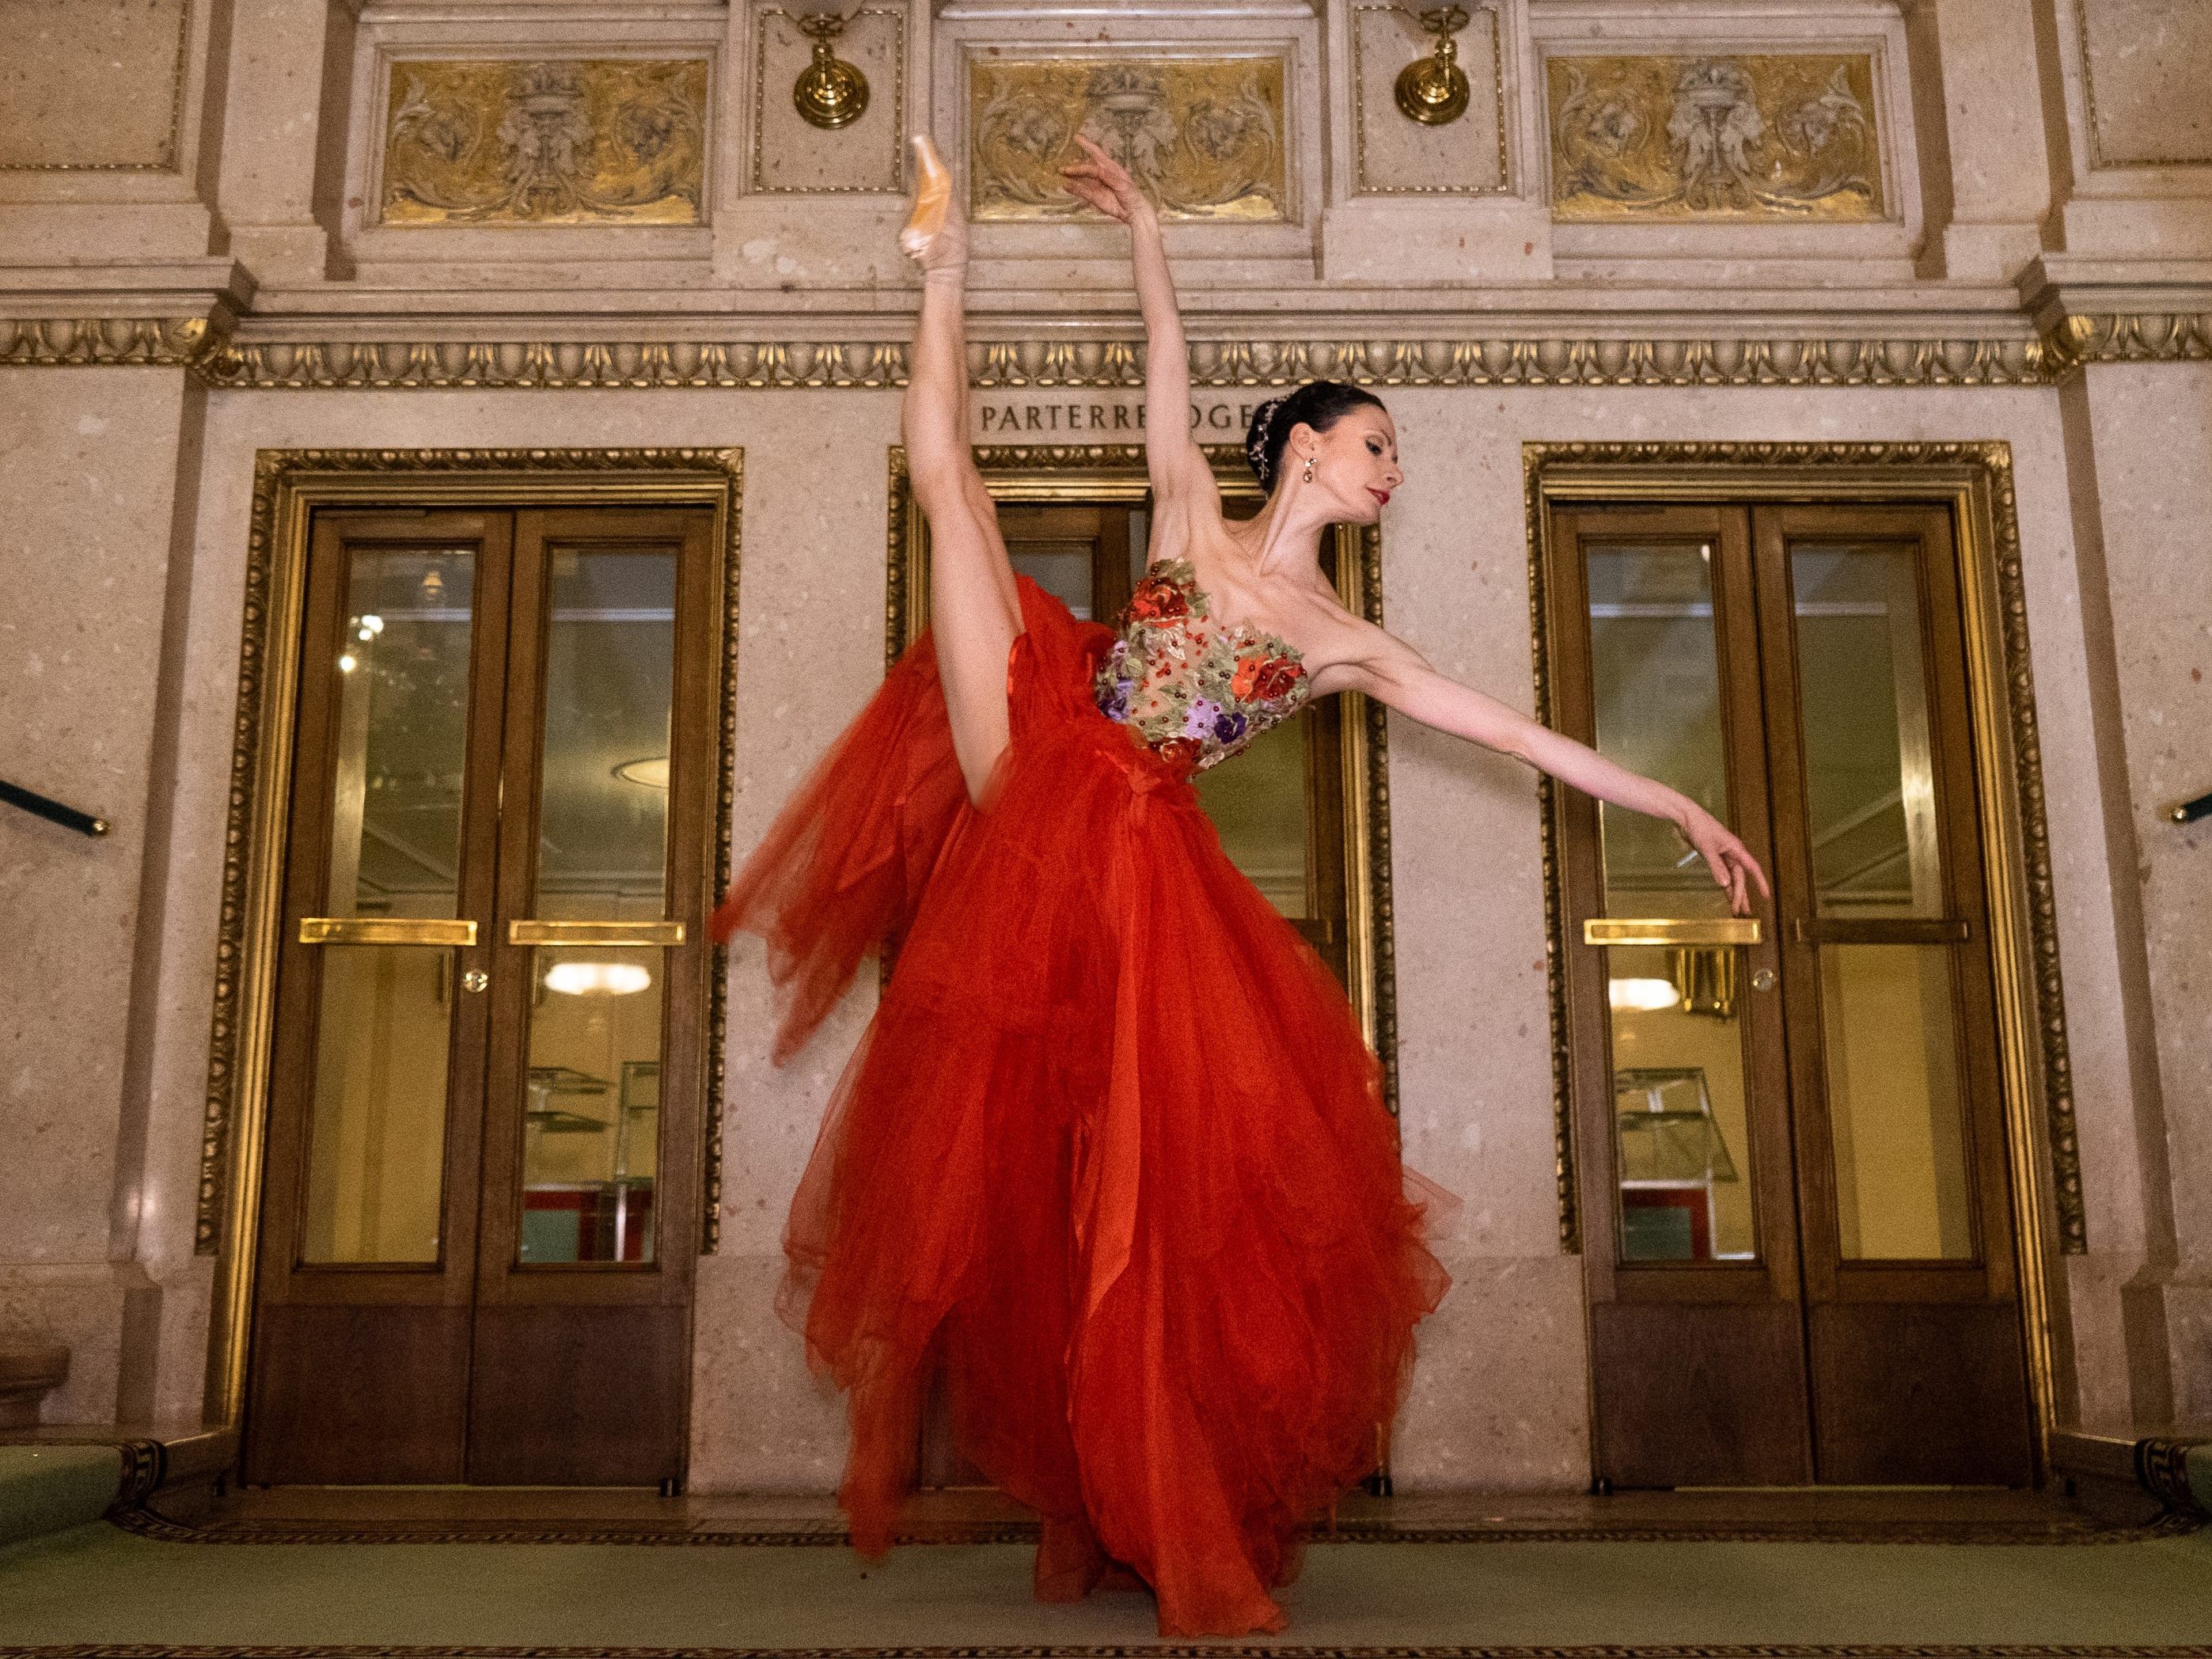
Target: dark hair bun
column 1318, row 404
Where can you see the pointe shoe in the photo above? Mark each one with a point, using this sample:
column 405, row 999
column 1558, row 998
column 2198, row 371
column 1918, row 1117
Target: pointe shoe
column 935, row 236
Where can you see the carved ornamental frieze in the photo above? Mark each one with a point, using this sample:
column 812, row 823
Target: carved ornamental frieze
column 1203, row 136
column 1790, row 136
column 574, row 141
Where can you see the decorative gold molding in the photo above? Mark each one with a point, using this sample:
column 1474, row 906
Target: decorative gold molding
column 221, row 361
column 1205, row 136
column 1975, row 480
column 104, row 341
column 583, row 141
column 288, row 486
column 1768, row 136
column 2076, row 338
column 165, row 160
column 1365, row 185
column 1116, row 472
column 2010, row 360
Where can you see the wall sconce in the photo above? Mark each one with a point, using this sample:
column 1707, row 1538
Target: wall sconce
column 830, row 92
column 1433, row 90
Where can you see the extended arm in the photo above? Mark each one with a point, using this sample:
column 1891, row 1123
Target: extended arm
column 1393, row 673
column 1174, row 462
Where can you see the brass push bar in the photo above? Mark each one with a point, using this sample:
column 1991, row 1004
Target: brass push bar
column 1653, row 930
column 595, row 932
column 385, row 930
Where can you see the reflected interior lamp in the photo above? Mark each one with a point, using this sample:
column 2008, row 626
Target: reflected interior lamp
column 830, row 92
column 1433, row 90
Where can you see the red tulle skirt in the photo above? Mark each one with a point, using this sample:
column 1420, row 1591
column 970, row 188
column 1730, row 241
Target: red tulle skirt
column 1112, row 1155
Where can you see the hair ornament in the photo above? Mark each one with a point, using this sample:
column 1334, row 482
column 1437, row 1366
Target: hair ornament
column 1255, row 446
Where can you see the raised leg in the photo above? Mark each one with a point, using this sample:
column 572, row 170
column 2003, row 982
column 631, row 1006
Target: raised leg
column 975, row 608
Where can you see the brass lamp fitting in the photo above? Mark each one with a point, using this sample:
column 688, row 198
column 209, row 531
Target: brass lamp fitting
column 1433, row 90
column 830, row 92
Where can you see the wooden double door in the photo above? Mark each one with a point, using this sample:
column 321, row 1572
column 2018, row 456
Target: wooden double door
column 1790, row 1138
column 481, row 1200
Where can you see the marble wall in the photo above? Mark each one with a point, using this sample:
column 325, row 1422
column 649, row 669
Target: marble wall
column 2146, row 432
column 98, row 551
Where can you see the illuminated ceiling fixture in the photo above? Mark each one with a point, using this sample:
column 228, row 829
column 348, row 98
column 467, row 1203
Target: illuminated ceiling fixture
column 650, row 770
column 1642, row 996
column 347, row 663
column 830, row 92
column 597, row 978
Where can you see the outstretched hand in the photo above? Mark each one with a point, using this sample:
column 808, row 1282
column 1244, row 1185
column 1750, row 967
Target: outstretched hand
column 1105, row 184
column 1728, row 857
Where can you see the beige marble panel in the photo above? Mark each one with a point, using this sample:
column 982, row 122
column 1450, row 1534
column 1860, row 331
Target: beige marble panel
column 1977, row 112
column 273, row 137
column 2145, row 66
column 791, row 156
column 92, row 84
column 1393, row 155
column 78, row 1306
column 2151, row 429
column 91, row 458
column 1498, row 1398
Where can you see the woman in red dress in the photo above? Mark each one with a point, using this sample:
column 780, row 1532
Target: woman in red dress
column 1112, row 1155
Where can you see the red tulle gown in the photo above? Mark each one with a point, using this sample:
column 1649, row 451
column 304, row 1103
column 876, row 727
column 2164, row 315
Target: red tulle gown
column 1112, row 1152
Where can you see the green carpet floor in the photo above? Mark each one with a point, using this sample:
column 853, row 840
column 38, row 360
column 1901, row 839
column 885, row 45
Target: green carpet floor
column 98, row 1585
column 47, row 1488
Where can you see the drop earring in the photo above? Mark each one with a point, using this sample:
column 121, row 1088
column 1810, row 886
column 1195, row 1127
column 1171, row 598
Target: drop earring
column 1308, row 475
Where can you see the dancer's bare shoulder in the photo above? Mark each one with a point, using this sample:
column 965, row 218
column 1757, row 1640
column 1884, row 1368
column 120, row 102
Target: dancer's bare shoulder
column 1299, row 606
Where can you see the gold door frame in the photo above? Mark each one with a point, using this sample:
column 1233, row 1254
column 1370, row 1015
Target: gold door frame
column 1974, row 481
column 288, row 486
column 1114, row 473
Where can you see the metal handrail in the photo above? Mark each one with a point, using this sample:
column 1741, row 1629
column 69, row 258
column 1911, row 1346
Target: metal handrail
column 45, row 806
column 2189, row 810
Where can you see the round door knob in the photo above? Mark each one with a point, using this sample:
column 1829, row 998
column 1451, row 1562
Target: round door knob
column 1763, row 980
column 476, row 978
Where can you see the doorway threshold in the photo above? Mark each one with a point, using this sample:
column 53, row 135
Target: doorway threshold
column 540, row 1514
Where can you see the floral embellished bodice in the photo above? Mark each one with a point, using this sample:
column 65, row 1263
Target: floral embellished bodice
column 1194, row 690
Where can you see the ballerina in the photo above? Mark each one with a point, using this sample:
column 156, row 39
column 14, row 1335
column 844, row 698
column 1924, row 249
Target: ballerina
column 1112, row 1154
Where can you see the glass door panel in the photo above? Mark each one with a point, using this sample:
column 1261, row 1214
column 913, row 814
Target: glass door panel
column 610, row 676
column 399, row 675
column 402, row 710
column 592, row 1124
column 377, row 1137
column 600, row 897
column 1681, row 1119
column 1896, row 1111
column 1862, row 692
column 1261, row 808
column 1883, row 928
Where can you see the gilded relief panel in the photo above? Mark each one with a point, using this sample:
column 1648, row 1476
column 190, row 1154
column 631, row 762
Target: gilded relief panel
column 1787, row 136
column 1204, row 136
column 573, row 142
